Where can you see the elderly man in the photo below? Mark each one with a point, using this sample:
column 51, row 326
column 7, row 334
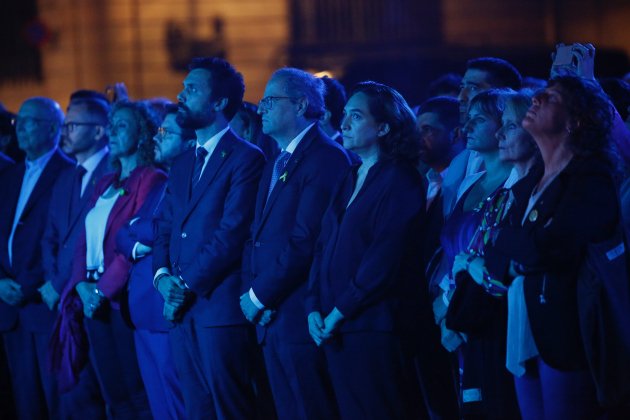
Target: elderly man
column 25, row 321
column 294, row 192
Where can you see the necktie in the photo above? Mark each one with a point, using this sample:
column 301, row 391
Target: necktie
column 278, row 167
column 199, row 161
column 77, row 186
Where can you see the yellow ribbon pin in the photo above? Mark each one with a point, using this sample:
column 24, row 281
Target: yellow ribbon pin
column 283, row 177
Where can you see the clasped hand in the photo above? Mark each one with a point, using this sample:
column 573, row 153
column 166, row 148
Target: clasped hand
column 253, row 314
column 472, row 264
column 174, row 291
column 49, row 295
column 11, row 292
column 92, row 301
column 322, row 330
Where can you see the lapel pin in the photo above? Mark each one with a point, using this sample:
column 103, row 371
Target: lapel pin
column 223, row 154
column 283, row 177
column 533, row 215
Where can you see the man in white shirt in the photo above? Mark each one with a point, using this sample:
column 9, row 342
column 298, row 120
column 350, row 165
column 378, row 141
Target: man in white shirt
column 84, row 138
column 201, row 230
column 25, row 321
column 294, row 192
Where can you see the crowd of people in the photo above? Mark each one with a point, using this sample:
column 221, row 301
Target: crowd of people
column 323, row 254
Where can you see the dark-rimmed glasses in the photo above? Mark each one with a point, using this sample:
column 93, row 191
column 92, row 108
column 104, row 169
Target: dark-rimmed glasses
column 267, row 101
column 163, row 132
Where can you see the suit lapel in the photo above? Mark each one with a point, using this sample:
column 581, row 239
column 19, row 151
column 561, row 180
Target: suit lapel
column 286, row 175
column 45, row 181
column 219, row 156
column 75, row 214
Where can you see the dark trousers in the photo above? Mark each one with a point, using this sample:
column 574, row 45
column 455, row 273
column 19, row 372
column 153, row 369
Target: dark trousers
column 7, row 409
column 159, row 374
column 84, row 401
column 34, row 388
column 367, row 370
column 547, row 393
column 113, row 356
column 216, row 368
column 299, row 382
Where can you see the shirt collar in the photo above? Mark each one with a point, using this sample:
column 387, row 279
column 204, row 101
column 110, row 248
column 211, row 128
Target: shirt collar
column 212, row 142
column 296, row 141
column 41, row 161
column 93, row 161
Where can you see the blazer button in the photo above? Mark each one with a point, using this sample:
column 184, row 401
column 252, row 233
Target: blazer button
column 184, row 235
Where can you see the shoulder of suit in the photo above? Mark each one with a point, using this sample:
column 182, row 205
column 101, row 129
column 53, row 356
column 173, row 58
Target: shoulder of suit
column 243, row 146
column 63, row 159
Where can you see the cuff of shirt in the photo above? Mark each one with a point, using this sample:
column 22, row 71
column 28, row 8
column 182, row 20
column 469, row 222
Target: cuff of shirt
column 158, row 273
column 133, row 251
column 255, row 300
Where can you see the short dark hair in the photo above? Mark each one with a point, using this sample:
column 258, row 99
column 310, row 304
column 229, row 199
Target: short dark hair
column 95, row 102
column 402, row 142
column 335, row 100
column 225, row 82
column 446, row 107
column 445, row 84
column 82, row 94
column 501, row 74
column 147, row 128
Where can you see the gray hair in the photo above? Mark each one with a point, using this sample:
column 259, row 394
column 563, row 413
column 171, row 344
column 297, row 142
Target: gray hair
column 298, row 83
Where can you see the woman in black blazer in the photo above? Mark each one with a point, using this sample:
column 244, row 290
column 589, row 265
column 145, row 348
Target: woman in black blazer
column 364, row 266
column 558, row 211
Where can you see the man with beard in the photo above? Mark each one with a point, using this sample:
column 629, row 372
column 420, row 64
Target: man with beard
column 84, row 138
column 201, row 230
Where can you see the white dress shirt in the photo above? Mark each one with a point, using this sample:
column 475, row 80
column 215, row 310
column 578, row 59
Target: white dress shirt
column 33, row 171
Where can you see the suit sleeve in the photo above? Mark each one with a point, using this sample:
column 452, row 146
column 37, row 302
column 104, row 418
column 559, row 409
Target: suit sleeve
column 116, row 274
column 398, row 212
column 224, row 248
column 312, row 302
column 290, row 270
column 50, row 245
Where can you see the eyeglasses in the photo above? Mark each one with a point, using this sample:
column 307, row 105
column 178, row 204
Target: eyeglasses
column 71, row 126
column 163, row 132
column 27, row 120
column 267, row 101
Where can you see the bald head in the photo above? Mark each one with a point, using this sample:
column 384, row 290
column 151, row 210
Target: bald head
column 38, row 126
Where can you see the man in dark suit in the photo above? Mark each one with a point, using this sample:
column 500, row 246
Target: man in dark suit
column 201, row 231
column 25, row 320
column 294, row 192
column 437, row 120
column 84, row 138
